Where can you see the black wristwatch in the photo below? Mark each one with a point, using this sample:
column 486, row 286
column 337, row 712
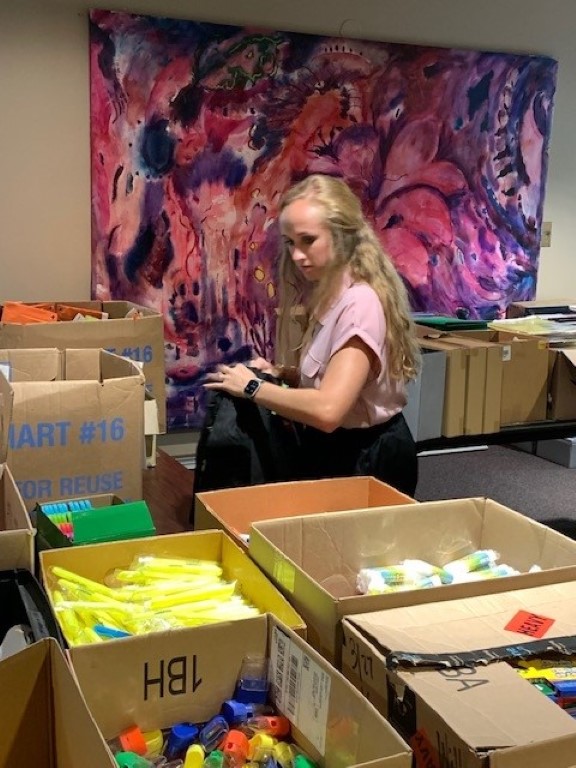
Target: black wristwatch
column 252, row 387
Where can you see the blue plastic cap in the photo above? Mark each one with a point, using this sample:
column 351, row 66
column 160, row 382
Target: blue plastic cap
column 234, row 712
column 180, row 738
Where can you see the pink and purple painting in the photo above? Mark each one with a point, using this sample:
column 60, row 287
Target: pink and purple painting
column 197, row 129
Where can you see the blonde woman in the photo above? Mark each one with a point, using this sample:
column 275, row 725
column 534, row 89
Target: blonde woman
column 359, row 347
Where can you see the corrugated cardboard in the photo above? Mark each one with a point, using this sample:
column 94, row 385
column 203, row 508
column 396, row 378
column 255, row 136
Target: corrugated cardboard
column 77, row 423
column 97, row 560
column 454, row 411
column 424, row 410
column 140, row 338
column 233, row 510
column 45, row 720
column 562, row 384
column 473, row 708
column 171, row 677
column 484, row 369
column 314, row 560
column 524, row 375
column 16, row 531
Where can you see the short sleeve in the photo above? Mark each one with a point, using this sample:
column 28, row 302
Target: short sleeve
column 362, row 315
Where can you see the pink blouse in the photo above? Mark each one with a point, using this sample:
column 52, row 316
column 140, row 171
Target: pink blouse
column 356, row 312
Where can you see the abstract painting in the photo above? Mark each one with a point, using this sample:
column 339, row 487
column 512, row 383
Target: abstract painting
column 197, row 129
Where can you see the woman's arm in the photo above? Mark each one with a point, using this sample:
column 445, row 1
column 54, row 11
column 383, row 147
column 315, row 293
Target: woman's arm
column 324, row 408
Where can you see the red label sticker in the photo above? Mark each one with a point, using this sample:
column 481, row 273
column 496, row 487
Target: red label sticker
column 425, row 756
column 529, row 624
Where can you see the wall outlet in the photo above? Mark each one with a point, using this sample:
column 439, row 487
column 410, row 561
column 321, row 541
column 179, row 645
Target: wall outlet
column 546, row 234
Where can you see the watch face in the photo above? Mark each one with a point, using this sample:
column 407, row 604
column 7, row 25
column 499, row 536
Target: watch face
column 252, row 387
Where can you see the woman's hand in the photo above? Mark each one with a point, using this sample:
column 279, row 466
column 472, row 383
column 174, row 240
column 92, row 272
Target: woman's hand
column 229, row 378
column 260, row 364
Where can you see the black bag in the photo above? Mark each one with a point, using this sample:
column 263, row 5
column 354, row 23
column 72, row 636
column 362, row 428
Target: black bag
column 242, row 443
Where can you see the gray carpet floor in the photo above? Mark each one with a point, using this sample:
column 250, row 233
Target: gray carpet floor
column 538, row 488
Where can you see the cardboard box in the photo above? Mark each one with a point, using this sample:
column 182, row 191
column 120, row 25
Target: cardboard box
column 424, row 410
column 315, row 560
column 483, row 394
column 233, row 510
column 560, row 451
column 45, row 720
column 485, row 370
column 140, row 338
column 77, row 423
column 452, row 694
column 524, row 375
column 561, row 384
column 454, row 410
column 16, row 531
column 95, row 561
column 539, row 307
column 171, row 677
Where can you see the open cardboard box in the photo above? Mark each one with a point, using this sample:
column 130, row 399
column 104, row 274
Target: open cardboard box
column 45, row 720
column 95, row 561
column 438, row 672
column 158, row 680
column 77, row 423
column 235, row 509
column 129, row 330
column 315, row 560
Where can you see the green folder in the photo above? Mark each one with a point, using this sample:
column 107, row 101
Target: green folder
column 445, row 323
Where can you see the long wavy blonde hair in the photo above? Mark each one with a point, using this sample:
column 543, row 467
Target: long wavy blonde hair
column 356, row 249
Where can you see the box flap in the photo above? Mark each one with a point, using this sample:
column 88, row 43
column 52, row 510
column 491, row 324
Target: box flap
column 476, row 630
column 6, row 405
column 570, row 354
column 25, row 708
column 483, row 706
column 31, row 364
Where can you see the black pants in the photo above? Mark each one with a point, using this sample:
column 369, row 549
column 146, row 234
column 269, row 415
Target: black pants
column 386, row 451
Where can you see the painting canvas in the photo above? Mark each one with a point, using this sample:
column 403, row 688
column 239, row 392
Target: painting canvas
column 197, row 129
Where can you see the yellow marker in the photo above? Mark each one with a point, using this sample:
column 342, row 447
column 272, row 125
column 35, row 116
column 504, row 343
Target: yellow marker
column 67, row 617
column 93, row 586
column 174, row 565
column 218, row 590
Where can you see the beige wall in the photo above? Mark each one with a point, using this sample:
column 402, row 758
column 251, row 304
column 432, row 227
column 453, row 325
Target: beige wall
column 44, row 140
